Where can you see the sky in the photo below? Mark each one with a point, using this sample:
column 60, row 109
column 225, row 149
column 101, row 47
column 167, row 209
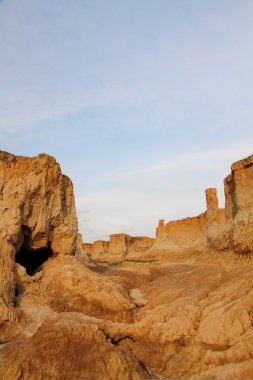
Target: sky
column 144, row 103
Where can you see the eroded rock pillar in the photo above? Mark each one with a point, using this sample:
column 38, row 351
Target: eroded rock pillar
column 212, row 206
column 160, row 231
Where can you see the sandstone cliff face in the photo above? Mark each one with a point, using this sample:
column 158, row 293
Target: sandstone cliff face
column 241, row 202
column 37, row 212
column 190, row 234
column 37, row 203
column 218, row 230
column 45, row 293
column 237, row 233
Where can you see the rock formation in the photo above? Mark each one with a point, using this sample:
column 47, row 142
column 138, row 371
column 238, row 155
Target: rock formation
column 41, row 279
column 236, row 234
column 216, row 229
column 119, row 248
column 176, row 236
column 38, row 219
column 177, row 306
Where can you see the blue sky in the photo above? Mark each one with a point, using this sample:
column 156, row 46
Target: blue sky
column 144, row 103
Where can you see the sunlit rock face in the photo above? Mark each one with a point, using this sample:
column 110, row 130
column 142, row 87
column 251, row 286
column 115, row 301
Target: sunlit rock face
column 38, row 219
column 120, row 248
column 177, row 306
column 216, row 229
column 237, row 233
column 37, row 203
column 239, row 204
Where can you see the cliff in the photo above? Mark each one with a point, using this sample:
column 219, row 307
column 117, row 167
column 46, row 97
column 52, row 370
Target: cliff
column 50, row 304
column 216, row 229
column 38, row 219
column 237, row 233
column 191, row 234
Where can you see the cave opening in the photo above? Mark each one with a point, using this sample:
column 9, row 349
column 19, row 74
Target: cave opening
column 32, row 259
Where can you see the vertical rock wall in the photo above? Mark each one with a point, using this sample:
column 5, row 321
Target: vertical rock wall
column 239, row 204
column 216, row 229
column 37, row 210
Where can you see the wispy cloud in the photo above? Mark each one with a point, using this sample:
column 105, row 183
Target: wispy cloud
column 142, row 118
column 183, row 74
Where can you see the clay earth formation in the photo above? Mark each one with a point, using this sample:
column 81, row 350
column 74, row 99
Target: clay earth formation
column 177, row 306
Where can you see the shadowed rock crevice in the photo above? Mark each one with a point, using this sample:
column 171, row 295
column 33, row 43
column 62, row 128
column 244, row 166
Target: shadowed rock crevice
column 115, row 341
column 32, row 259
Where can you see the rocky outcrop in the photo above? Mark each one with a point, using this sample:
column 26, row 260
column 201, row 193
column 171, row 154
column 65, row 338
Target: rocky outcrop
column 119, row 243
column 119, row 248
column 216, row 229
column 185, row 232
column 69, row 346
column 69, row 286
column 37, row 204
column 196, row 321
column 38, row 219
column 239, row 200
column 189, row 234
column 237, row 233
column 212, row 208
column 180, row 235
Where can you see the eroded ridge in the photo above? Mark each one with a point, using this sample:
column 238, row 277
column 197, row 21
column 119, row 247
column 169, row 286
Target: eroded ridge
column 216, row 229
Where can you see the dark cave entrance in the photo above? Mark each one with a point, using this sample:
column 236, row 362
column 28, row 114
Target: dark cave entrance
column 32, row 259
